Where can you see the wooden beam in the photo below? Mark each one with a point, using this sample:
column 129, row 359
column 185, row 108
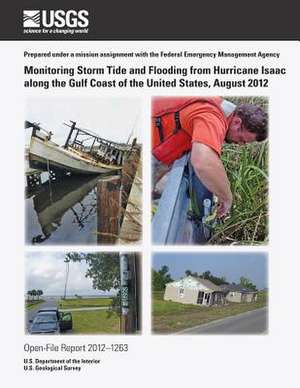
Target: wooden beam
column 108, row 210
column 129, row 169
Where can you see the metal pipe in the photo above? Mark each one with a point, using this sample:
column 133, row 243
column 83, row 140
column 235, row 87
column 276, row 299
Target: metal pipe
column 70, row 134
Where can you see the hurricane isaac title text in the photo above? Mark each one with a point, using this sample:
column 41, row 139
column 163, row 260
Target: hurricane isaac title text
column 151, row 76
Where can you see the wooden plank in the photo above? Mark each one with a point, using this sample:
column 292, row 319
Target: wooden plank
column 108, row 210
column 129, row 168
column 131, row 228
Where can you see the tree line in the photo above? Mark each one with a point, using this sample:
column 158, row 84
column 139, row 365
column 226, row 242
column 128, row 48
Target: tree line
column 161, row 277
column 32, row 294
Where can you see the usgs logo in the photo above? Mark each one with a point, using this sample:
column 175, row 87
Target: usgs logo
column 55, row 18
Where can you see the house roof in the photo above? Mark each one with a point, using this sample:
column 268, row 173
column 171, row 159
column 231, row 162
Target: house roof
column 207, row 283
column 235, row 287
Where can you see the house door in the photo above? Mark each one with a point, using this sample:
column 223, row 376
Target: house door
column 200, row 297
column 207, row 298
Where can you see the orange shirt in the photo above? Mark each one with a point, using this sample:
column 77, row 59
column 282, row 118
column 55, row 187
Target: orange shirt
column 204, row 121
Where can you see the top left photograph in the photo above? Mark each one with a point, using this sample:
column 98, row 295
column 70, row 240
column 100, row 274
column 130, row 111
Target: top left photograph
column 83, row 171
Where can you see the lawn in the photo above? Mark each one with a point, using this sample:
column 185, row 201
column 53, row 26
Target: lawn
column 95, row 322
column 169, row 317
column 29, row 305
column 86, row 302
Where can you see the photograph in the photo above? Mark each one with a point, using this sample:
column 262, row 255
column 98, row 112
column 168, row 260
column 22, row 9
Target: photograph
column 82, row 293
column 83, row 171
column 210, row 170
column 210, row 293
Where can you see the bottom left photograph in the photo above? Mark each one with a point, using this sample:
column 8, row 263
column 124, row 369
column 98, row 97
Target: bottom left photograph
column 83, row 293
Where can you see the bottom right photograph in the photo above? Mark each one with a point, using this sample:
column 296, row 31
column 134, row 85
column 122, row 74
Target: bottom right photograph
column 210, row 293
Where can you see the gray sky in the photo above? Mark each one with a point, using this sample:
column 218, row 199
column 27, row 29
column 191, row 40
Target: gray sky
column 112, row 118
column 230, row 265
column 47, row 271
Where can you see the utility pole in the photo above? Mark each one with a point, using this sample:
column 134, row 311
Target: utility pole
column 67, row 261
column 130, row 292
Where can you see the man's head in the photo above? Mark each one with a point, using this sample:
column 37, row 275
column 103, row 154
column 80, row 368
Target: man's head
column 248, row 124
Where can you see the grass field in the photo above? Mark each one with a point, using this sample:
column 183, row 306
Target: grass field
column 86, row 302
column 95, row 322
column 32, row 303
column 169, row 317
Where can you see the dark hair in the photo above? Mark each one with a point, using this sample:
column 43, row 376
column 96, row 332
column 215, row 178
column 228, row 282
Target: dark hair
column 255, row 119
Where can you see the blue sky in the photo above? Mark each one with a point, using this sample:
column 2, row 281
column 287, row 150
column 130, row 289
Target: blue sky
column 230, row 265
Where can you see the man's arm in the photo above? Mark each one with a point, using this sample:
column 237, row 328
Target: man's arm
column 210, row 170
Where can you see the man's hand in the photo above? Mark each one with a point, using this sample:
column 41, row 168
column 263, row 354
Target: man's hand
column 210, row 170
column 224, row 208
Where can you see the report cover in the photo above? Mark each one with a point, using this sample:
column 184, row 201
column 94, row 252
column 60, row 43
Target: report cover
column 149, row 200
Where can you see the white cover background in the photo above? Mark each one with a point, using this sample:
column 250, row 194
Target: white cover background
column 215, row 361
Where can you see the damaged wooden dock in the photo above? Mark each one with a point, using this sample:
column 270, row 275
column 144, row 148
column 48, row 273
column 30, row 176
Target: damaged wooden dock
column 119, row 204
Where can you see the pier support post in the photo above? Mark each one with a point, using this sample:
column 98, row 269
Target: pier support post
column 108, row 210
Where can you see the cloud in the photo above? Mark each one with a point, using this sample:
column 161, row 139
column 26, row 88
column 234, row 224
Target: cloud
column 47, row 271
column 112, row 118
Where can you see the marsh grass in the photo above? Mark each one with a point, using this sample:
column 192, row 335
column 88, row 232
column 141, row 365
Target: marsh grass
column 247, row 170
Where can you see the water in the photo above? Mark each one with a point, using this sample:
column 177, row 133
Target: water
column 62, row 211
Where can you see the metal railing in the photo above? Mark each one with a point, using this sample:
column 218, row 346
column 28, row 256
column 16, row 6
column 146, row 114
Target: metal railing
column 180, row 212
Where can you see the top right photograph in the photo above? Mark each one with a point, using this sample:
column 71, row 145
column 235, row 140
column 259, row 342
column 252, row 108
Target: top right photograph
column 210, row 170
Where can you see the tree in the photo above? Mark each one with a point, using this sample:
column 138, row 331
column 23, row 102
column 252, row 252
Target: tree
column 103, row 269
column 247, row 283
column 188, row 272
column 29, row 293
column 207, row 275
column 33, row 293
column 39, row 293
column 160, row 278
column 214, row 279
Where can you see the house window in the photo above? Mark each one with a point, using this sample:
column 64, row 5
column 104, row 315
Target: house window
column 181, row 292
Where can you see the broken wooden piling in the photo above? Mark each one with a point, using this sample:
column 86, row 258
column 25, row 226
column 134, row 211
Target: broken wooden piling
column 131, row 228
column 108, row 210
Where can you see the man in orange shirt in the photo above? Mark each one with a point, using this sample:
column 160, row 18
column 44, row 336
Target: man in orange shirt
column 201, row 125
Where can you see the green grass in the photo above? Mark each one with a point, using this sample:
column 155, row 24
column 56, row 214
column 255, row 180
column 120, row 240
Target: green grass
column 86, row 302
column 29, row 305
column 247, row 170
column 169, row 317
column 95, row 322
